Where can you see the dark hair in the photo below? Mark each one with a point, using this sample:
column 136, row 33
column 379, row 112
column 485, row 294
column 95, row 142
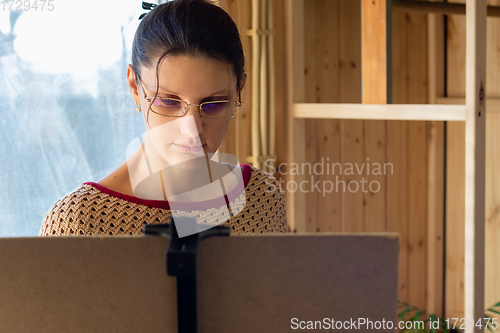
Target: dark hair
column 188, row 27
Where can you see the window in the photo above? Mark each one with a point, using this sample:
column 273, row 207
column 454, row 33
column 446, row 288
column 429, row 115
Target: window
column 66, row 111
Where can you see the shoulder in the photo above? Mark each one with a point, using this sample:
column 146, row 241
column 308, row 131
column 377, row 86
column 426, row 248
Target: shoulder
column 94, row 210
column 65, row 215
column 264, row 210
column 262, row 181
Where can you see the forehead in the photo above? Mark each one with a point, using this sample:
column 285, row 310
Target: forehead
column 191, row 76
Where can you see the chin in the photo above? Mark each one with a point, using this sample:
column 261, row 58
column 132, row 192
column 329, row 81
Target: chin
column 185, row 161
column 191, row 164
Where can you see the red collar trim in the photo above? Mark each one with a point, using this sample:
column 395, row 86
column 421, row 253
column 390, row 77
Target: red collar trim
column 162, row 204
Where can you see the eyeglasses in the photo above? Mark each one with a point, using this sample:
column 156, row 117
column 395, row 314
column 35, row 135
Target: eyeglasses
column 171, row 107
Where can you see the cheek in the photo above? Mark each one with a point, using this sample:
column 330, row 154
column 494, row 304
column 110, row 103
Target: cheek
column 215, row 133
column 151, row 123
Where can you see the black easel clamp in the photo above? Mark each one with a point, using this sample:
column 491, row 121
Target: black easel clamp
column 181, row 263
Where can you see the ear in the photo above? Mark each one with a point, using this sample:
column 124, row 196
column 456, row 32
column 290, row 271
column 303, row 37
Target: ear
column 243, row 80
column 132, row 84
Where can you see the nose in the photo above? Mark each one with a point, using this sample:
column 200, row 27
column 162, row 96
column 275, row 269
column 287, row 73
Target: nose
column 192, row 126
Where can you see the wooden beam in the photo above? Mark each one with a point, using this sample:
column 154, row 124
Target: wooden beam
column 475, row 140
column 352, row 144
column 492, row 104
column 379, row 112
column 294, row 22
column 444, row 8
column 416, row 24
column 435, row 56
column 492, row 242
column 313, row 58
column 435, row 215
column 256, row 44
column 398, row 154
column 435, row 168
column 376, row 51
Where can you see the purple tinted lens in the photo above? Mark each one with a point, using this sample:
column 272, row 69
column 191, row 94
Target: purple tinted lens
column 167, row 102
column 214, row 108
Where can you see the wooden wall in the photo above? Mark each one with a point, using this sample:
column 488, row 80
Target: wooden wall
column 411, row 199
column 333, row 74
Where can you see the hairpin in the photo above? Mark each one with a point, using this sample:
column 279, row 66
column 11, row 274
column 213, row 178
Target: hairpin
column 147, row 6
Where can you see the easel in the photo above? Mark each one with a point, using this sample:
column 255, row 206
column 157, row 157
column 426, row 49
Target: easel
column 244, row 283
column 181, row 263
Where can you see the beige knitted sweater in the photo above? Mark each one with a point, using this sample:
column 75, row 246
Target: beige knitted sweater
column 92, row 209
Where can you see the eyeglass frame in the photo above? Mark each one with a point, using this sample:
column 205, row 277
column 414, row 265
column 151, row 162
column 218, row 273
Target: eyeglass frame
column 186, row 104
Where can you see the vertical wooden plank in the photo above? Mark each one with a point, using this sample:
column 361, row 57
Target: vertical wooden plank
column 352, row 214
column 417, row 93
column 417, row 57
column 435, row 214
column 456, row 55
column 311, row 76
column 235, row 143
column 263, row 108
column 374, row 46
column 329, row 151
column 294, row 10
column 350, row 53
column 228, row 145
column 435, row 168
column 374, row 191
column 397, row 196
column 417, row 214
column 475, row 137
column 352, row 143
column 243, row 122
column 328, row 16
column 311, row 155
column 280, row 66
column 492, row 241
column 492, row 54
column 435, row 56
column 432, row 57
column 455, row 171
column 322, row 136
column 256, row 93
column 397, row 153
column 374, row 51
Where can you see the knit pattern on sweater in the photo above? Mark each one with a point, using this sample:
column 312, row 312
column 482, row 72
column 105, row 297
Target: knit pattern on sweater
column 89, row 211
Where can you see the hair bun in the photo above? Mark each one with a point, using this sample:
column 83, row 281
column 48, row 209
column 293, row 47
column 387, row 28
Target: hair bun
column 147, row 6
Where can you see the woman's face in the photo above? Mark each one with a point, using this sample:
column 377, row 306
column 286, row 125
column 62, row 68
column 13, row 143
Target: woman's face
column 184, row 140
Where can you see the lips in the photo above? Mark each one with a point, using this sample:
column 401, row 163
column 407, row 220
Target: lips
column 188, row 148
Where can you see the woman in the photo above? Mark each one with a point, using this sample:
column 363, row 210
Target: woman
column 186, row 78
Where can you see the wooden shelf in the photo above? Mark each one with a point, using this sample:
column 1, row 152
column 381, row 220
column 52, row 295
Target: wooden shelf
column 492, row 104
column 423, row 112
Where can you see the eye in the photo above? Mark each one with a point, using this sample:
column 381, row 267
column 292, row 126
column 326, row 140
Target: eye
column 214, row 107
column 167, row 102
